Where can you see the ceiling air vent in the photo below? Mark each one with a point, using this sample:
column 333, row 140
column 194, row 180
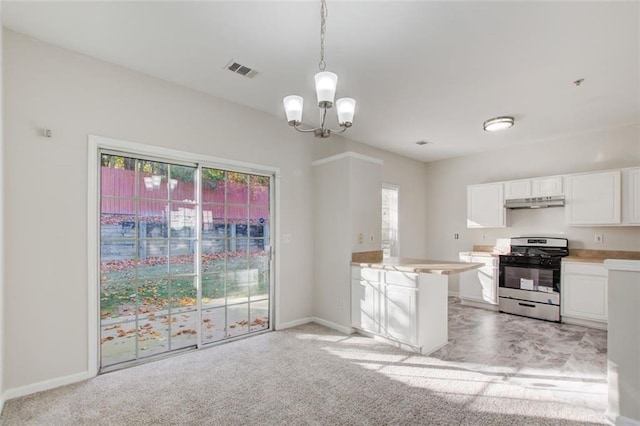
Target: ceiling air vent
column 240, row 69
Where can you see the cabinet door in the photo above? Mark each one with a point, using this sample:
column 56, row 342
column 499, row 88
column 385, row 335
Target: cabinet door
column 517, row 189
column 365, row 303
column 485, row 206
column 401, row 314
column 593, row 199
column 480, row 285
column 631, row 196
column 545, row 187
column 584, row 291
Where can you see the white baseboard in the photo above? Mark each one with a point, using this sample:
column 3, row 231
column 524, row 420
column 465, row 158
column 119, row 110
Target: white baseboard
column 621, row 420
column 480, row 305
column 584, row 323
column 333, row 325
column 45, row 385
column 453, row 294
column 294, row 323
column 1, row 403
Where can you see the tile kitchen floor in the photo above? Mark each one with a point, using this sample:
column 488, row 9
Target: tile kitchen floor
column 566, row 363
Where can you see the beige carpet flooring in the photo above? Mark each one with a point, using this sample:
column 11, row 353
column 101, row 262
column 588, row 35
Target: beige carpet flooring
column 311, row 375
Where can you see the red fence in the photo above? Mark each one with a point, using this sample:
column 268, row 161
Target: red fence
column 154, row 192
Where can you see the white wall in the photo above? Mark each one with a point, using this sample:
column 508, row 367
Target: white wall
column 409, row 175
column 447, row 181
column 46, row 200
column 332, row 250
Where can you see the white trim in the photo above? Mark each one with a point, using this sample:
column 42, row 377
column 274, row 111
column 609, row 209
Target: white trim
column 294, row 323
column 622, row 265
column 93, row 235
column 348, row 154
column 333, row 325
column 96, row 143
column 142, row 149
column 479, row 305
column 584, row 322
column 620, row 420
column 46, row 385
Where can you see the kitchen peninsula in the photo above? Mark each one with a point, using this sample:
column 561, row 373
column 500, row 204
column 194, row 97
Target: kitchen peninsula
column 402, row 300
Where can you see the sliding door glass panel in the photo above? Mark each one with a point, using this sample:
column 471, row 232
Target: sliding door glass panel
column 147, row 262
column 235, row 253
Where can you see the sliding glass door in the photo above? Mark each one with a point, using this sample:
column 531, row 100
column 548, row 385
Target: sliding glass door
column 184, row 256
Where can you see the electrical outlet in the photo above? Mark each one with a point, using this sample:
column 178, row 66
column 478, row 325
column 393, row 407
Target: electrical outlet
column 484, row 237
column 342, row 304
column 598, row 238
column 286, row 239
column 371, row 238
column 456, row 236
column 360, row 238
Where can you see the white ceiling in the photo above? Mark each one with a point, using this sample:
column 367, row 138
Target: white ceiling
column 419, row 70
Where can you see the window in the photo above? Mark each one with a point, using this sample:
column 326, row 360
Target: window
column 389, row 238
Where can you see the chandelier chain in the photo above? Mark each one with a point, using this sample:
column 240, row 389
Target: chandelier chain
column 323, row 29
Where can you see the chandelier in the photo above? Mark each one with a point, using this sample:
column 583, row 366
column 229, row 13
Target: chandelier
column 326, row 83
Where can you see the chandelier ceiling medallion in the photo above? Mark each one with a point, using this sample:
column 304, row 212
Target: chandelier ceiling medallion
column 326, row 83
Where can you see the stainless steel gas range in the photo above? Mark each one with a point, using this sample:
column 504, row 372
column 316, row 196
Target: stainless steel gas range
column 529, row 280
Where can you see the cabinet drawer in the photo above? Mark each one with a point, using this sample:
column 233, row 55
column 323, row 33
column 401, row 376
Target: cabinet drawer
column 584, row 269
column 401, row 278
column 368, row 274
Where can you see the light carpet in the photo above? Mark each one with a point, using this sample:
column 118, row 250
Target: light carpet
column 315, row 376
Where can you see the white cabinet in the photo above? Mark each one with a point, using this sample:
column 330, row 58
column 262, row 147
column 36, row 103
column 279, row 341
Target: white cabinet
column 546, row 187
column 485, row 206
column 517, row 189
column 480, row 286
column 401, row 304
column 406, row 309
column 631, row 196
column 584, row 293
column 593, row 198
column 365, row 304
column 539, row 187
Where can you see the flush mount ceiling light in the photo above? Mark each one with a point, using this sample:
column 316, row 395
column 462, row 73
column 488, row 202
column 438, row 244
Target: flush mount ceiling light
column 326, row 83
column 498, row 123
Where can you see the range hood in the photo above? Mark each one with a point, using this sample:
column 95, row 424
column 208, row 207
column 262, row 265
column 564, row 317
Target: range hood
column 535, row 202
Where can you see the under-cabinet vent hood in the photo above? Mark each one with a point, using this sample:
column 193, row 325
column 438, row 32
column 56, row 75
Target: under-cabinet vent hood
column 535, row 202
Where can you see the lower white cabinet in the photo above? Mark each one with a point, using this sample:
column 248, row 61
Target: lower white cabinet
column 584, row 293
column 401, row 305
column 406, row 309
column 480, row 286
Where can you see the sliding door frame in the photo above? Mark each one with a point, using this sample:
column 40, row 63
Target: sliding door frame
column 98, row 143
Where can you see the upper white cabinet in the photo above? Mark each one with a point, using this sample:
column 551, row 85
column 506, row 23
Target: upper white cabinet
column 546, row 187
column 593, row 198
column 631, row 196
column 485, row 206
column 517, row 189
column 540, row 187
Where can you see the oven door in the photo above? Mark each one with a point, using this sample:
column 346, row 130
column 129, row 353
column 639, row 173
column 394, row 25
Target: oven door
column 530, row 278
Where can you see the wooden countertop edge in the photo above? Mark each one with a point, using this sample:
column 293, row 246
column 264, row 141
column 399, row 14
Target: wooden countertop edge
column 438, row 268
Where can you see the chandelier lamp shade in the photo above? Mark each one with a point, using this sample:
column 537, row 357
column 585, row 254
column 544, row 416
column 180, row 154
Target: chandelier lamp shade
column 326, row 83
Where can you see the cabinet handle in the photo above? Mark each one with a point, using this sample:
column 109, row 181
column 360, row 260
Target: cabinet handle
column 527, row 305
